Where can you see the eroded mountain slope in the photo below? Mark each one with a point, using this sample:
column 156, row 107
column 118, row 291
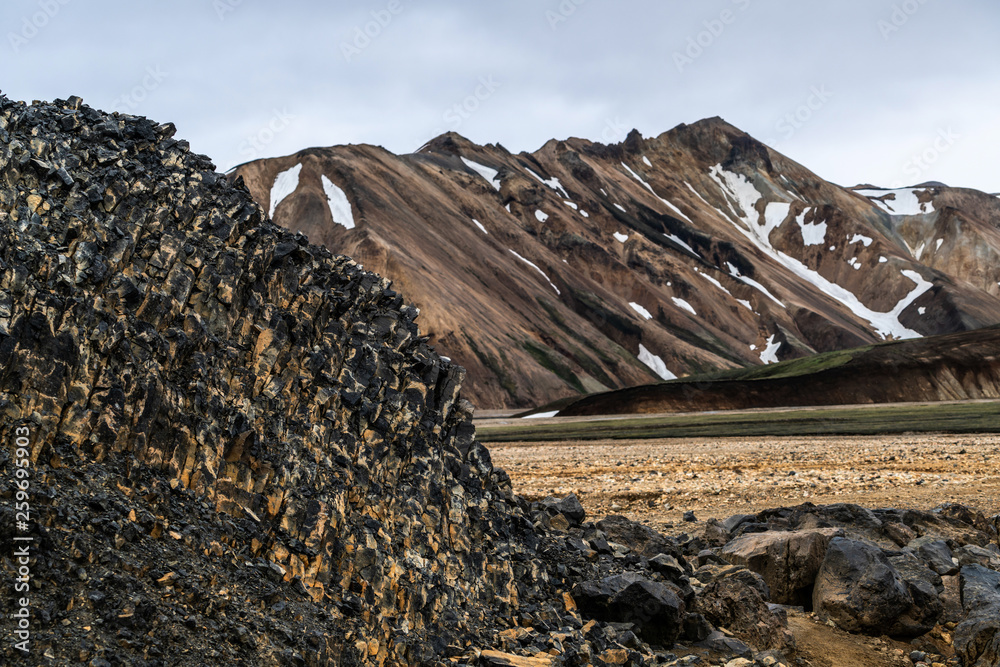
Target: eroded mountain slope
column 583, row 267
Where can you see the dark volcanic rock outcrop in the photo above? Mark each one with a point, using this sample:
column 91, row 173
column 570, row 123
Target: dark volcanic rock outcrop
column 153, row 320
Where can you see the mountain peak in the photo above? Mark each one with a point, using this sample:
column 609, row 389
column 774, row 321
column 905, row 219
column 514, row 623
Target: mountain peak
column 699, row 249
column 450, row 142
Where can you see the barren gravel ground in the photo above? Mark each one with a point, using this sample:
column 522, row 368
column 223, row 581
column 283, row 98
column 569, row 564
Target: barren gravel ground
column 656, row 481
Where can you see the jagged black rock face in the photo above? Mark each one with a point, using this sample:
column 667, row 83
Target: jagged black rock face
column 152, row 321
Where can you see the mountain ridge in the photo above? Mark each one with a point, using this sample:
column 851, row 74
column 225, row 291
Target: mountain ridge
column 537, row 271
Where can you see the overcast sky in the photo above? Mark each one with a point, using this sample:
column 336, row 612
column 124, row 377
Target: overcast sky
column 890, row 92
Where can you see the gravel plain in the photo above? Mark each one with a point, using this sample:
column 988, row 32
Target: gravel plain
column 656, row 481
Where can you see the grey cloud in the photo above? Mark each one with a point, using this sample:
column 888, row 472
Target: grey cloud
column 391, row 72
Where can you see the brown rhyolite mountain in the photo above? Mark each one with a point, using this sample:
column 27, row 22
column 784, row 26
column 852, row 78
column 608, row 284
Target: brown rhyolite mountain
column 732, row 254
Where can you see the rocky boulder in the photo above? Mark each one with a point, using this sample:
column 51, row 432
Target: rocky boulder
column 639, row 538
column 569, row 506
column 936, row 553
column 655, row 610
column 787, row 560
column 977, row 638
column 858, row 588
column 927, row 590
column 731, row 603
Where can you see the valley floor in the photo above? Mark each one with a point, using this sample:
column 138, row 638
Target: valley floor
column 656, row 480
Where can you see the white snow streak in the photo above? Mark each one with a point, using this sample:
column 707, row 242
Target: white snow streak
column 284, row 184
column 484, row 171
column 621, row 238
column 480, row 225
column 642, row 311
column 681, row 303
column 552, row 183
column 679, row 241
column 714, row 282
column 655, row 363
column 340, row 207
column 698, row 195
column 735, row 273
column 536, row 269
column 650, row 188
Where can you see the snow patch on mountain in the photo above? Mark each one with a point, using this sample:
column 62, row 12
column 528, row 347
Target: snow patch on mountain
column 480, row 225
column 769, row 355
column 698, row 195
column 735, row 273
column 715, row 282
column 285, row 184
column 650, row 188
column 813, row 233
column 552, row 183
column 655, row 363
column 621, row 238
column 736, row 188
column 340, row 207
column 902, row 202
column 484, row 171
column 642, row 311
column 541, row 215
column 679, row 241
column 681, row 303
